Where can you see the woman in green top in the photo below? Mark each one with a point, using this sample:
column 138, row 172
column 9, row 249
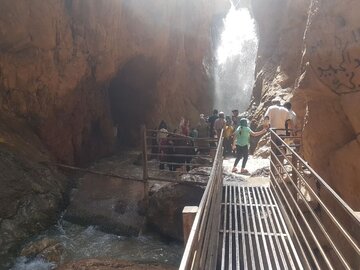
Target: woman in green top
column 241, row 143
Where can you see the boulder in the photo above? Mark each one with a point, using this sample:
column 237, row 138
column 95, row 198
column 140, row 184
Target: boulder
column 47, row 249
column 166, row 205
column 113, row 204
column 31, row 194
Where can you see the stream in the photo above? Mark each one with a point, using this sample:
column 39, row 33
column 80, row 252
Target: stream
column 87, row 242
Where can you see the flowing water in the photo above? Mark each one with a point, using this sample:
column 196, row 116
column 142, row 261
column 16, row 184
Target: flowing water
column 81, row 242
column 88, row 242
column 236, row 56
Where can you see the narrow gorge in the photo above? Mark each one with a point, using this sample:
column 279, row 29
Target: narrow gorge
column 78, row 78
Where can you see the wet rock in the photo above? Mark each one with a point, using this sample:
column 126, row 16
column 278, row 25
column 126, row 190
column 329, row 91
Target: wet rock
column 47, row 249
column 96, row 264
column 166, row 205
column 113, row 204
column 31, row 193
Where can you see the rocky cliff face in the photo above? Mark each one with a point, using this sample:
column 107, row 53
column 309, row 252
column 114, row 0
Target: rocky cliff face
column 61, row 62
column 312, row 59
column 72, row 69
column 31, row 194
column 330, row 86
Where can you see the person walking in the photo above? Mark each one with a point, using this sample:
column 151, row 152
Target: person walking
column 277, row 116
column 235, row 118
column 241, row 143
column 211, row 121
column 184, row 126
column 228, row 132
column 203, row 129
column 162, row 142
column 219, row 124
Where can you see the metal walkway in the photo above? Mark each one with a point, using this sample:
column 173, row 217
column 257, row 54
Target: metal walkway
column 254, row 234
column 297, row 221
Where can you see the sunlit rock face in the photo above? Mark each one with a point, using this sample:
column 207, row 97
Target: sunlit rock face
column 60, row 61
column 281, row 26
column 330, row 86
column 309, row 54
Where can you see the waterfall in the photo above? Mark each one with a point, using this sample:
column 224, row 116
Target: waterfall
column 235, row 61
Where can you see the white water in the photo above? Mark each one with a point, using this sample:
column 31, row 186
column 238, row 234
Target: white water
column 23, row 263
column 236, row 56
column 87, row 242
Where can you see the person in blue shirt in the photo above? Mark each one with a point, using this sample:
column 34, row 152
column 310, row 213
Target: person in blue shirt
column 241, row 143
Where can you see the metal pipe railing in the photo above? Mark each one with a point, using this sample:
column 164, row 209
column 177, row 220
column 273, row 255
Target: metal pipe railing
column 170, row 155
column 325, row 227
column 201, row 247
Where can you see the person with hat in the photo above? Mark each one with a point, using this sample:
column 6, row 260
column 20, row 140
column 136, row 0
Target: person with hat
column 241, row 143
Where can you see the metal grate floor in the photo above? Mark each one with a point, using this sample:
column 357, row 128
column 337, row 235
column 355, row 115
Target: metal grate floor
column 253, row 232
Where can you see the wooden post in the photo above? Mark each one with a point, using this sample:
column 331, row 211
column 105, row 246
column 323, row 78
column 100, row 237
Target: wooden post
column 188, row 214
column 145, row 165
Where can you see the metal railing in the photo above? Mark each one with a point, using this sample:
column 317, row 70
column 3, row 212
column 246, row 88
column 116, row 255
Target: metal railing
column 324, row 228
column 168, row 155
column 201, row 249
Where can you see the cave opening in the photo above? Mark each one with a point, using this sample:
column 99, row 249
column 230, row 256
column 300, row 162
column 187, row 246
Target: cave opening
column 132, row 94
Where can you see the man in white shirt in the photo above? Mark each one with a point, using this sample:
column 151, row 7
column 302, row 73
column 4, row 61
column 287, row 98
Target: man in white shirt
column 277, row 116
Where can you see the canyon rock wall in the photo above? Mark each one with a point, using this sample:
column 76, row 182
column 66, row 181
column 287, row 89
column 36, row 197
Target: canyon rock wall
column 31, row 194
column 330, row 85
column 311, row 59
column 281, row 26
column 59, row 58
column 72, row 69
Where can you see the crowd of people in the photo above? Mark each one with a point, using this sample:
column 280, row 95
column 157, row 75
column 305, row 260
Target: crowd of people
column 236, row 132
